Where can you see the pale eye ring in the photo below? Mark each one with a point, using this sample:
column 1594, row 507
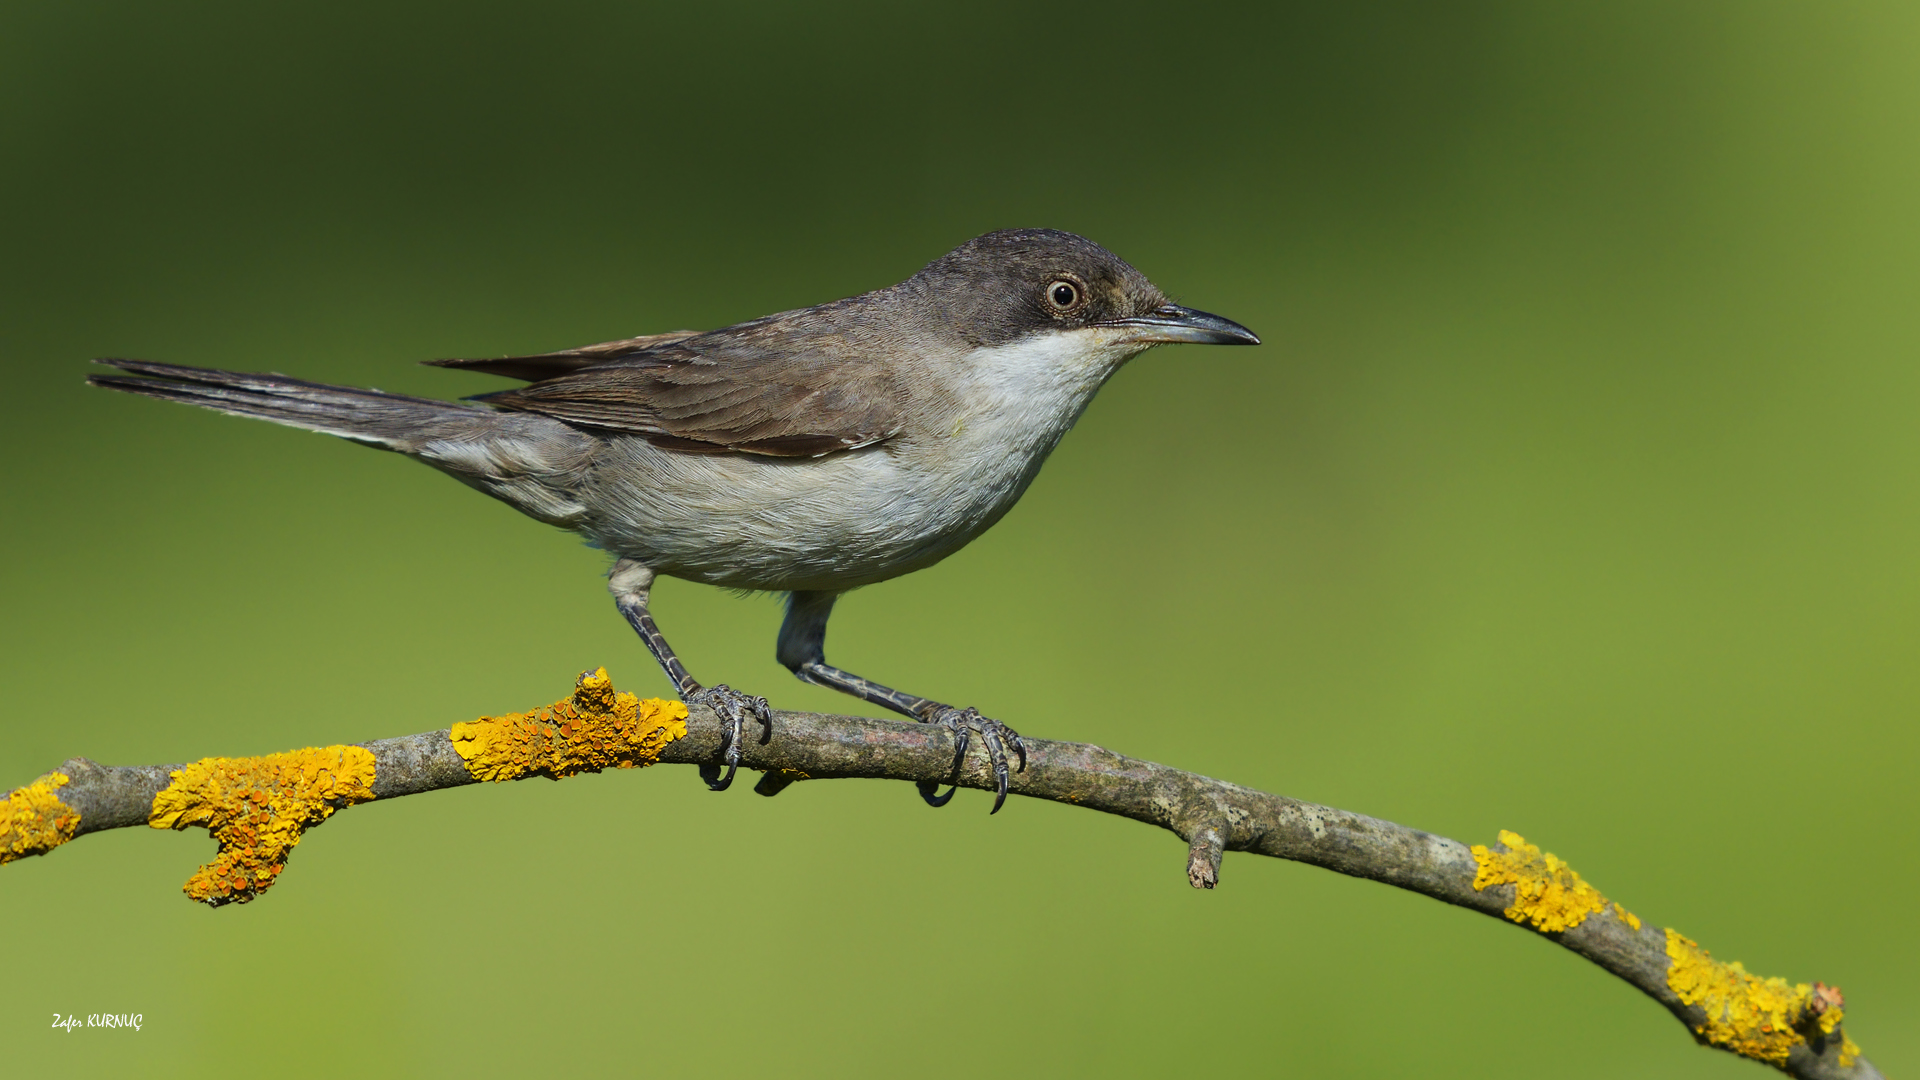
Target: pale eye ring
column 1063, row 295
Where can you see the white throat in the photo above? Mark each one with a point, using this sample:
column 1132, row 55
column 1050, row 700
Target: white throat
column 1025, row 396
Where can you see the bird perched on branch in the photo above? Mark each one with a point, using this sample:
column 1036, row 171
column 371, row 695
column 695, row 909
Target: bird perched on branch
column 809, row 452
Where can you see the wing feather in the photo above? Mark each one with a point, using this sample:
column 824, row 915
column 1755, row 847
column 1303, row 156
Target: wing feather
column 720, row 394
column 551, row 365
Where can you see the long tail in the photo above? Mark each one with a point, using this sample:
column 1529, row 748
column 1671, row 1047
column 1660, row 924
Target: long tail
column 533, row 463
column 393, row 421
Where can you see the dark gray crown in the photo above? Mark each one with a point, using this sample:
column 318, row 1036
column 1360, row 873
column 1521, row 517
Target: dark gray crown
column 996, row 286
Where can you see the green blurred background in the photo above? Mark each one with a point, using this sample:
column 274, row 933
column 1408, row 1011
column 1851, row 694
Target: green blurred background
column 1576, row 490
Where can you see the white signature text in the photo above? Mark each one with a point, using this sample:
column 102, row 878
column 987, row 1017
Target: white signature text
column 98, row 1020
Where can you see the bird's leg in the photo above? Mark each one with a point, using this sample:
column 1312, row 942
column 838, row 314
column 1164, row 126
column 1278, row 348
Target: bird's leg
column 802, row 648
column 630, row 583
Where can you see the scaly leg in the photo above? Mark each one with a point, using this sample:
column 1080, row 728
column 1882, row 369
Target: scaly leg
column 630, row 583
column 802, row 648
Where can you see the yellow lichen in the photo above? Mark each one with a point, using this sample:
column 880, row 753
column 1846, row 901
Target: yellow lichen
column 1763, row 1019
column 1546, row 891
column 1626, row 916
column 33, row 820
column 257, row 808
column 593, row 730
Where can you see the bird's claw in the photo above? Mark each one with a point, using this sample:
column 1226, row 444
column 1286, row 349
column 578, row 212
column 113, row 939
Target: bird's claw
column 994, row 735
column 733, row 708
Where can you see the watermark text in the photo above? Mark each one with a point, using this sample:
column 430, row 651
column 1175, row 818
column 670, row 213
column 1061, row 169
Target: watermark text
column 97, row 1020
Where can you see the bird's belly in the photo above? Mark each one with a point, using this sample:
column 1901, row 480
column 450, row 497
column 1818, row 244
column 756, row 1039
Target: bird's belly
column 828, row 523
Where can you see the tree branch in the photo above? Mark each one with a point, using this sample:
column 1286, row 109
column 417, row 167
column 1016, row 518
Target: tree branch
column 257, row 808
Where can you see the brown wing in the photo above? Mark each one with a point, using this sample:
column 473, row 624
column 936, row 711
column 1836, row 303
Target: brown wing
column 554, row 364
column 725, row 397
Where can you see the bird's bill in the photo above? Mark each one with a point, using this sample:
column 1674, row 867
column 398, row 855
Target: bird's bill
column 1174, row 323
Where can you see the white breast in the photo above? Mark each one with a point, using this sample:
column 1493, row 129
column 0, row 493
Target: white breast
column 853, row 518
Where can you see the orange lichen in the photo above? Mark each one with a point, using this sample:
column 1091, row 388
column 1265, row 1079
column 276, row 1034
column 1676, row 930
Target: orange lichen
column 1763, row 1019
column 257, row 808
column 33, row 820
column 593, row 730
column 1546, row 891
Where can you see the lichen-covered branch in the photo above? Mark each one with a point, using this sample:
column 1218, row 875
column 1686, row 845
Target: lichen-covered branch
column 258, row 808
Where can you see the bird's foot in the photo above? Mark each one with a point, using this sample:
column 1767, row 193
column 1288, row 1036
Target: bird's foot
column 733, row 708
column 994, row 735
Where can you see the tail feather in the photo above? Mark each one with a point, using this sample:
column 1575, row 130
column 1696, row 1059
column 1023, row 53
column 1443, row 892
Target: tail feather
column 393, row 421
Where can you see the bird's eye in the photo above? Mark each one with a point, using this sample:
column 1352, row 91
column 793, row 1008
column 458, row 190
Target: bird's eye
column 1063, row 295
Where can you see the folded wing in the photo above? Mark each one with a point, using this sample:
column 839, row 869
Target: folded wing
column 711, row 393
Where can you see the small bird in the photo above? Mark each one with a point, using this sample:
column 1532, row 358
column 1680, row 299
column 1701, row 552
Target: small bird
column 809, row 452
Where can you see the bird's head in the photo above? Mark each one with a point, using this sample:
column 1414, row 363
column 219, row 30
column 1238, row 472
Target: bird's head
column 1019, row 285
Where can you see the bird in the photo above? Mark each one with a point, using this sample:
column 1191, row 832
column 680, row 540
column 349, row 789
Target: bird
column 808, row 452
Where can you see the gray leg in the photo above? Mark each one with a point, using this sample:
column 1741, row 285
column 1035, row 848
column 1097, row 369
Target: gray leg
column 803, row 650
column 630, row 584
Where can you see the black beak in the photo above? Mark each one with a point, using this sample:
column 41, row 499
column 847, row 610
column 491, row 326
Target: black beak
column 1174, row 323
